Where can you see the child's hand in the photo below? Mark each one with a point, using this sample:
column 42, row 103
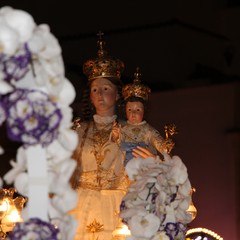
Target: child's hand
column 142, row 152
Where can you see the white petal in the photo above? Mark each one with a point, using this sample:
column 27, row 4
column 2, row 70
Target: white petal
column 5, row 87
column 57, row 153
column 68, row 139
column 8, row 39
column 21, row 21
column 146, row 226
column 21, row 184
column 52, row 47
column 67, row 94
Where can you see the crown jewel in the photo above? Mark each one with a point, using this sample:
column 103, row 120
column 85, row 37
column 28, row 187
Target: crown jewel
column 136, row 89
column 103, row 65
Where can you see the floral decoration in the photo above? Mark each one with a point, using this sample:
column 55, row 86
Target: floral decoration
column 35, row 229
column 31, row 117
column 155, row 205
column 15, row 67
column 35, row 99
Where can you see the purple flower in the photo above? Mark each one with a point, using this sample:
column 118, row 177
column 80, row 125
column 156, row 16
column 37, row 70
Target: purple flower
column 175, row 230
column 32, row 117
column 15, row 67
column 171, row 230
column 35, row 229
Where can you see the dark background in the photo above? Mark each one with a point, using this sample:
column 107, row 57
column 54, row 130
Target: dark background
column 189, row 55
column 177, row 44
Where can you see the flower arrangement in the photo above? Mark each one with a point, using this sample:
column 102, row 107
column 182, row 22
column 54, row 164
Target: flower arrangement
column 31, row 117
column 155, row 205
column 36, row 229
column 35, row 100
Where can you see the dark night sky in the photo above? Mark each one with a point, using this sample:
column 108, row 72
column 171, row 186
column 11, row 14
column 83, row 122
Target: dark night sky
column 177, row 44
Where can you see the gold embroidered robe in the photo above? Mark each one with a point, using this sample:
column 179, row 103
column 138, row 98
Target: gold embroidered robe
column 101, row 177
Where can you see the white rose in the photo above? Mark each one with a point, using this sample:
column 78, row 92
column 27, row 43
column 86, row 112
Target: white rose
column 144, row 226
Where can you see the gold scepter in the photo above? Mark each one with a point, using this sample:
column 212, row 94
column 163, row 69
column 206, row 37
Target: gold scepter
column 170, row 130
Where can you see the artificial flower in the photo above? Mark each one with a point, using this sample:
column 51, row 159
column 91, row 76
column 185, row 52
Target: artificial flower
column 158, row 190
column 32, row 117
column 19, row 20
column 36, row 229
column 8, row 39
column 17, row 167
column 144, row 226
column 35, row 100
column 67, row 93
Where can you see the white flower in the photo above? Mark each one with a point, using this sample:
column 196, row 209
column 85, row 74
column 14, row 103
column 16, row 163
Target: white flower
column 160, row 189
column 170, row 214
column 17, row 167
column 67, row 93
column 144, row 226
column 44, row 44
column 57, row 153
column 21, row 183
column 9, row 42
column 133, row 167
column 19, row 20
column 68, row 139
column 67, row 117
column 5, row 87
column 178, row 172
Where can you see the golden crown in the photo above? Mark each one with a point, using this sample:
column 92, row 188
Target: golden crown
column 136, row 89
column 103, row 65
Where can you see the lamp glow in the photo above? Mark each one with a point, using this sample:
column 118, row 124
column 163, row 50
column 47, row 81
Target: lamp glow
column 9, row 210
column 121, row 231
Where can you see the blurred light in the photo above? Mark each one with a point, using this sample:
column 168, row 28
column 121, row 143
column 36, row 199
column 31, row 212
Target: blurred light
column 205, row 231
column 9, row 210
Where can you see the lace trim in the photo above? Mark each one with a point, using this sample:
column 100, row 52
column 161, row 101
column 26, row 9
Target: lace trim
column 104, row 120
column 136, row 124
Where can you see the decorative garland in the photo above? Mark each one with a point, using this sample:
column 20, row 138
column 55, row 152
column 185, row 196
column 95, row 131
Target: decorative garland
column 35, row 100
column 156, row 204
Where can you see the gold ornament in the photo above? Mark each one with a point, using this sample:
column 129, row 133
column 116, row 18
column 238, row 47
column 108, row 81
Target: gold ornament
column 94, row 227
column 170, row 130
column 136, row 89
column 192, row 209
column 103, row 65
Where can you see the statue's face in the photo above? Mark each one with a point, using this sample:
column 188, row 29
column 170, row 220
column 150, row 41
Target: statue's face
column 134, row 112
column 104, row 95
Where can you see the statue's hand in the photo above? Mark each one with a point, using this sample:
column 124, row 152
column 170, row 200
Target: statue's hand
column 142, row 152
